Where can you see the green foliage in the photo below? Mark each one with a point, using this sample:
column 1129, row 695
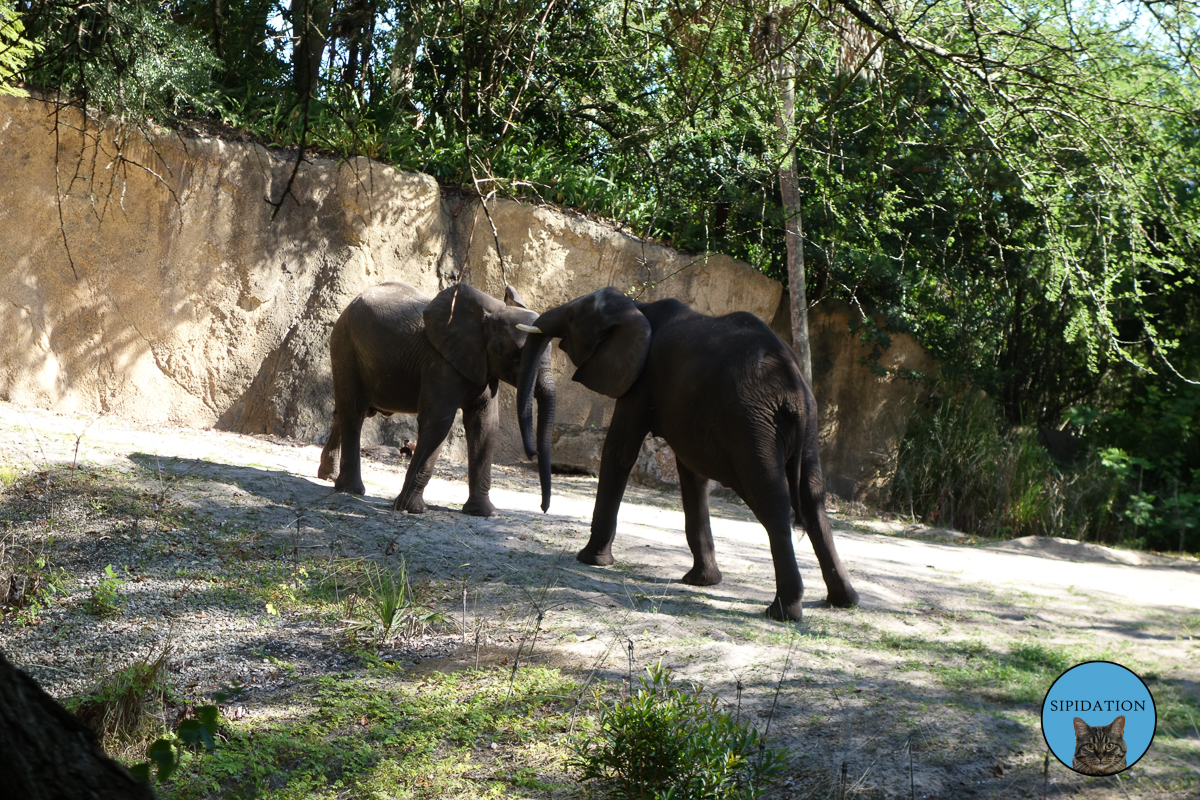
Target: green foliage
column 105, row 599
column 14, row 48
column 166, row 753
column 129, row 58
column 663, row 742
column 1151, row 445
column 962, row 466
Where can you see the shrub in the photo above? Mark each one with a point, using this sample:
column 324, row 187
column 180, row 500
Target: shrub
column 961, row 465
column 663, row 742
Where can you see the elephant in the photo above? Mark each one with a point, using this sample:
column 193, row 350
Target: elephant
column 727, row 394
column 395, row 350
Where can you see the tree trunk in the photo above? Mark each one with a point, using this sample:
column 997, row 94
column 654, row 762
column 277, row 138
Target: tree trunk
column 789, row 190
column 48, row 754
column 310, row 29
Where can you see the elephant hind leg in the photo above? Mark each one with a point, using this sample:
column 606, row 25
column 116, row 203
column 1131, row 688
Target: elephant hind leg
column 809, row 492
column 693, row 488
column 768, row 496
column 331, row 450
column 345, row 436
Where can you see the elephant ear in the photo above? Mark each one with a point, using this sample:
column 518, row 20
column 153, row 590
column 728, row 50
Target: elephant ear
column 455, row 325
column 608, row 340
column 512, row 299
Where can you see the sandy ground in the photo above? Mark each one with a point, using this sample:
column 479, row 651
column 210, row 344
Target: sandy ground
column 842, row 697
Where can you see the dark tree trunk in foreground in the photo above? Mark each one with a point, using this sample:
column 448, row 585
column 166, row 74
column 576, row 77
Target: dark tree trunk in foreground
column 48, row 754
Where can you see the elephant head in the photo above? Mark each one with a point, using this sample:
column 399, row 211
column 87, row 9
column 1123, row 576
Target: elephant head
column 603, row 333
column 479, row 336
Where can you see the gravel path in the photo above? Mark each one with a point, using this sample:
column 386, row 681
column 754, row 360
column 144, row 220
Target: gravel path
column 216, row 538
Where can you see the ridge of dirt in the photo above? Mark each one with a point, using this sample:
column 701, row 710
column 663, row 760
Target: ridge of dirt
column 868, row 691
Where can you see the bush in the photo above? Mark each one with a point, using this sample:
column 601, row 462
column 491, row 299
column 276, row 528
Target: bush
column 962, row 466
column 664, row 742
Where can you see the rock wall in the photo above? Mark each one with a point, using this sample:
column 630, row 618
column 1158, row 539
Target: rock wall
column 153, row 278
column 195, row 280
column 863, row 411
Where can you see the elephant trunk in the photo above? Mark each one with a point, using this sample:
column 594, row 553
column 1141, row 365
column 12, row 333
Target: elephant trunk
column 536, row 378
column 546, row 399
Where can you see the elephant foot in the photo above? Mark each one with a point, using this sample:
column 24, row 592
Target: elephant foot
column 789, row 612
column 350, row 487
column 325, row 472
column 479, row 508
column 698, row 576
column 844, row 597
column 415, row 505
column 586, row 556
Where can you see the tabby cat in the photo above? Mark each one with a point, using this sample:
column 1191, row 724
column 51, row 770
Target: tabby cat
column 1099, row 750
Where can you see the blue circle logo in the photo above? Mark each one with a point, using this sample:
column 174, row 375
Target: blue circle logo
column 1098, row 718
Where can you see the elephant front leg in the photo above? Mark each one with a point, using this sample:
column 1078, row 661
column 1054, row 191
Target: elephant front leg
column 481, row 419
column 693, row 488
column 432, row 429
column 621, row 446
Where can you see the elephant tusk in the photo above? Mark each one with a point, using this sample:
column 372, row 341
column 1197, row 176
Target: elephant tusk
column 528, row 328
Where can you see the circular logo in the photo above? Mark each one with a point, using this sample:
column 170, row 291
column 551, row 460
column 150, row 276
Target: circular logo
column 1098, row 718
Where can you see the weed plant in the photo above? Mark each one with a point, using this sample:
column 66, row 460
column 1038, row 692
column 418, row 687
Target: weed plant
column 385, row 606
column 105, row 600
column 28, row 581
column 664, row 742
column 116, row 708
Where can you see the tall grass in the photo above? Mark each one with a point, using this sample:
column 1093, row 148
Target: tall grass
column 962, row 466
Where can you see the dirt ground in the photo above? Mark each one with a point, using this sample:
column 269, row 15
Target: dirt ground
column 883, row 695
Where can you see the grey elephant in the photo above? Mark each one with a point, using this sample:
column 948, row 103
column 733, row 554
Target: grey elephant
column 727, row 395
column 395, row 350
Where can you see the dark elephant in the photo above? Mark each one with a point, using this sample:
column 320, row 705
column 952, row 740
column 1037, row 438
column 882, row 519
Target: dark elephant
column 395, row 350
column 727, row 395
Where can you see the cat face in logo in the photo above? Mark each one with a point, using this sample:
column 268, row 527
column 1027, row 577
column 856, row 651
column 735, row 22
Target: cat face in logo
column 1100, row 749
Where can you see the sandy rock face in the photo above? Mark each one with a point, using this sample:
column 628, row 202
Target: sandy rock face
column 154, row 284
column 863, row 411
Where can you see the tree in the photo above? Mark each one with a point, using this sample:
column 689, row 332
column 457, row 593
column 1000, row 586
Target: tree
column 48, row 754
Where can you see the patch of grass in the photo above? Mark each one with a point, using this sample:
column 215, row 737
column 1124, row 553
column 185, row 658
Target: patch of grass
column 1022, row 674
column 9, row 475
column 464, row 734
column 117, row 706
